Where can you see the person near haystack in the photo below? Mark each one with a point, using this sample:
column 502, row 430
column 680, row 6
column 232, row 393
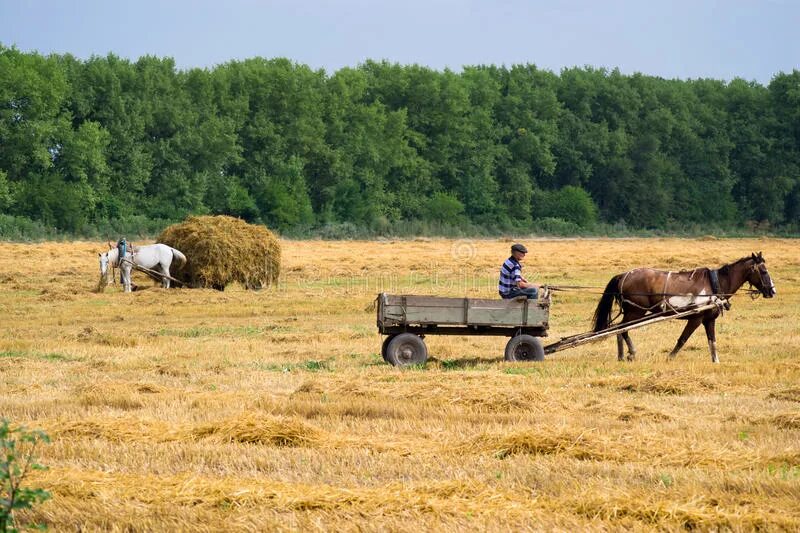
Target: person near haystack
column 512, row 283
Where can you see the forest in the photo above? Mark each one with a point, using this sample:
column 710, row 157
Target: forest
column 130, row 146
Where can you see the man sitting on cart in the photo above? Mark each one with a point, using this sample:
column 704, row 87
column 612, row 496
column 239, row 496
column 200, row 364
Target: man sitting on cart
column 512, row 284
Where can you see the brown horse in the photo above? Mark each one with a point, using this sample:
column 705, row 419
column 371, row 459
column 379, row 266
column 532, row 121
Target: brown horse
column 645, row 290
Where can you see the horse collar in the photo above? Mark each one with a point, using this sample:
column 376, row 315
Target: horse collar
column 715, row 288
column 714, row 275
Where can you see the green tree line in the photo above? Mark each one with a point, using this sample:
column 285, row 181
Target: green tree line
column 84, row 142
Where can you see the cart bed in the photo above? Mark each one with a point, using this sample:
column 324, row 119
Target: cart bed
column 460, row 316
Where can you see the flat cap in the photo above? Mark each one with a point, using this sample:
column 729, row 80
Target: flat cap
column 519, row 248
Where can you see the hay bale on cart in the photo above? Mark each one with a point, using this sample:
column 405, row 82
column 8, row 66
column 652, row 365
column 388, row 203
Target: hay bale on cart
column 222, row 250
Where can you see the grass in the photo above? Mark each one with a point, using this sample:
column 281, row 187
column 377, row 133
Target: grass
column 309, row 366
column 272, row 410
column 239, row 331
column 48, row 356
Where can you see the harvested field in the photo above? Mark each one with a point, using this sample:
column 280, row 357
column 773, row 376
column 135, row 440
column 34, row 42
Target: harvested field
column 239, row 410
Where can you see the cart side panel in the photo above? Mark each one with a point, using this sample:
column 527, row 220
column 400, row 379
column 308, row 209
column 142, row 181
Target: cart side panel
column 496, row 312
column 403, row 310
column 508, row 313
column 539, row 314
column 423, row 310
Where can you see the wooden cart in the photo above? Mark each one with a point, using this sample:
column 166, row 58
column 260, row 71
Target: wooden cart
column 406, row 320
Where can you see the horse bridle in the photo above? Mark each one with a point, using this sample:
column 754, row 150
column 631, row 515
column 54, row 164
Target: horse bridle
column 763, row 283
column 114, row 266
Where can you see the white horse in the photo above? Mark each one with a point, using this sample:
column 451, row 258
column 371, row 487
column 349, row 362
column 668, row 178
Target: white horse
column 157, row 257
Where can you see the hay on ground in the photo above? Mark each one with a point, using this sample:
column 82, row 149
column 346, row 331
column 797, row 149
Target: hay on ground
column 789, row 395
column 222, row 249
column 277, row 431
column 543, row 441
column 789, row 420
column 676, row 382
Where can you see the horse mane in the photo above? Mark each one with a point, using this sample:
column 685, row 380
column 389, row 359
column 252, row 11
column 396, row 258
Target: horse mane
column 725, row 269
column 692, row 270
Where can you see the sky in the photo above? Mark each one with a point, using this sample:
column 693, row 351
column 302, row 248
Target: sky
column 750, row 39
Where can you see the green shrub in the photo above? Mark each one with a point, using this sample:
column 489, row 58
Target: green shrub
column 556, row 226
column 132, row 227
column 572, row 204
column 6, row 196
column 15, row 228
column 341, row 231
column 17, row 460
column 445, row 208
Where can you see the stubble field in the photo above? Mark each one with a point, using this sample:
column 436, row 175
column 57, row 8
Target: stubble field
column 197, row 410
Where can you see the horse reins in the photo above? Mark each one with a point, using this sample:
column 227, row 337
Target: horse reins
column 713, row 279
column 598, row 290
column 119, row 265
column 665, row 296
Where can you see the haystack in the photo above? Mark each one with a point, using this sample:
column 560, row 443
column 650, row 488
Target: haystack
column 223, row 249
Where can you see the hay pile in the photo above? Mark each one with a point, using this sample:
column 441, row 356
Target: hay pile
column 543, row 441
column 252, row 429
column 676, row 382
column 223, row 249
column 790, row 395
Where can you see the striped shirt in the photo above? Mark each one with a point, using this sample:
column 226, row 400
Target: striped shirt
column 510, row 275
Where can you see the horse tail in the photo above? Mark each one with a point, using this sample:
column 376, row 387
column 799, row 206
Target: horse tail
column 602, row 315
column 177, row 254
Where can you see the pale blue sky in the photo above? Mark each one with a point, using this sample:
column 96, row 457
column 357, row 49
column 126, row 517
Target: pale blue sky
column 680, row 39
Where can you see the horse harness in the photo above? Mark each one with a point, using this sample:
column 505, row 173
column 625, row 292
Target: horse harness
column 123, row 247
column 713, row 275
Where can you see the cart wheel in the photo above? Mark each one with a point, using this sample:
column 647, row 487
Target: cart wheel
column 524, row 348
column 386, row 345
column 406, row 349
